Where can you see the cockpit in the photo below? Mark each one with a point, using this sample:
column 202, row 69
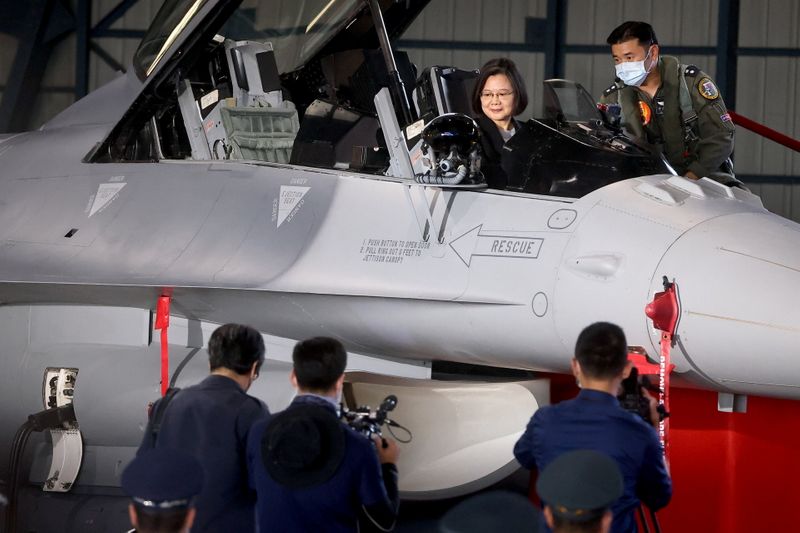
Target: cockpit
column 316, row 83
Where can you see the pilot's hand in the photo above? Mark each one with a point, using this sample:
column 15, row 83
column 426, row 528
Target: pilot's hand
column 691, row 175
column 387, row 449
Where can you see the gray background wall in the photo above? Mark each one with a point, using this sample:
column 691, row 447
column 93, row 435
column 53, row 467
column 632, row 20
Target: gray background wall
column 544, row 37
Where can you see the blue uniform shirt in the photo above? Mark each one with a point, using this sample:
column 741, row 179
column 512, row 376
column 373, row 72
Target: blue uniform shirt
column 211, row 421
column 594, row 420
column 332, row 506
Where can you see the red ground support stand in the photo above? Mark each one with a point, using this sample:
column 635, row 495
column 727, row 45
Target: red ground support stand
column 733, row 472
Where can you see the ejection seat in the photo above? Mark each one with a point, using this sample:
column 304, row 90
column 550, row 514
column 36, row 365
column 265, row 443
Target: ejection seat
column 261, row 133
column 262, row 126
column 255, row 123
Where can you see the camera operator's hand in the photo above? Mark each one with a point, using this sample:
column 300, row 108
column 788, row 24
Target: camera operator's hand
column 387, row 450
column 653, row 403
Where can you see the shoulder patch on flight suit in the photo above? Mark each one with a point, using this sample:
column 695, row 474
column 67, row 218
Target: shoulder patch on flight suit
column 724, row 116
column 691, row 70
column 707, row 89
column 611, row 89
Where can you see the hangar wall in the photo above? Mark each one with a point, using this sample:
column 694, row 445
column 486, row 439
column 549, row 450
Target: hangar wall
column 465, row 33
column 474, row 31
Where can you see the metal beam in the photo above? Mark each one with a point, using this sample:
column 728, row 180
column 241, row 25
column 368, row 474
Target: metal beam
column 432, row 44
column 107, row 58
column 83, row 16
column 112, row 16
column 555, row 39
column 727, row 49
column 60, row 89
column 30, row 61
column 768, row 179
column 12, row 17
column 465, row 45
column 119, row 34
column 61, row 22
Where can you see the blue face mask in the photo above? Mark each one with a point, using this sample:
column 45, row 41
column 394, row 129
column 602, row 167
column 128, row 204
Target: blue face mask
column 633, row 73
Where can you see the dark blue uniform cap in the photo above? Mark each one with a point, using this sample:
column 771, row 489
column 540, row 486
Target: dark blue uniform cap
column 163, row 478
column 580, row 485
column 497, row 510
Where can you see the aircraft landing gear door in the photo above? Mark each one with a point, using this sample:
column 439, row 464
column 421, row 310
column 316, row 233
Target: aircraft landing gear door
column 58, row 390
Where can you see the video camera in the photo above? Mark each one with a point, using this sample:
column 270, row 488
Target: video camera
column 368, row 422
column 633, row 397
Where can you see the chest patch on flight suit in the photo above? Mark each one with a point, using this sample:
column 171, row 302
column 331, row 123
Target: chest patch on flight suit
column 647, row 113
column 707, row 89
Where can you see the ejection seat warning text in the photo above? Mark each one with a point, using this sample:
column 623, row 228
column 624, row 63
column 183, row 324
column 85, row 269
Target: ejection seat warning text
column 391, row 250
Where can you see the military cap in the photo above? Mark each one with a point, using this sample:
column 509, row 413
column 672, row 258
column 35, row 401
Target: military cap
column 163, row 478
column 580, row 485
column 497, row 510
column 303, row 446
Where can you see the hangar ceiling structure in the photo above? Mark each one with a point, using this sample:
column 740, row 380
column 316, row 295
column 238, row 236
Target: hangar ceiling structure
column 53, row 52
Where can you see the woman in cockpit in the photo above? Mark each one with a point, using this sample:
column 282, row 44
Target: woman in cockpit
column 499, row 96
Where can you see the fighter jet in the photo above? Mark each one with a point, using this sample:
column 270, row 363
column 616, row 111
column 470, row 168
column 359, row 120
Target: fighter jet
column 279, row 164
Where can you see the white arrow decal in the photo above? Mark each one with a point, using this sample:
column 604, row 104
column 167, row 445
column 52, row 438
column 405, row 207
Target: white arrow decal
column 106, row 193
column 291, row 199
column 476, row 244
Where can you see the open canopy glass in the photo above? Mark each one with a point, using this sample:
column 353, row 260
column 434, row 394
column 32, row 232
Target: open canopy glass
column 297, row 29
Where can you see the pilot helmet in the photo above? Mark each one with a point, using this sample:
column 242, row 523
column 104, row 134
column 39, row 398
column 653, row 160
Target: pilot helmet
column 452, row 130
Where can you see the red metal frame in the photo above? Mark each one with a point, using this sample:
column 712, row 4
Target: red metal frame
column 769, row 133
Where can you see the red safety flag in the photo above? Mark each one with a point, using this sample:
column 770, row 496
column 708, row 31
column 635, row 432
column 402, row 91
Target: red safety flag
column 664, row 312
column 162, row 323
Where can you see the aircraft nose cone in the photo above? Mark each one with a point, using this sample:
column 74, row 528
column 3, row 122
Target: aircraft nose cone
column 738, row 280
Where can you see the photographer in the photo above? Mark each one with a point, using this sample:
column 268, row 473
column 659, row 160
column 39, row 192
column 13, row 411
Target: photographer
column 310, row 471
column 596, row 421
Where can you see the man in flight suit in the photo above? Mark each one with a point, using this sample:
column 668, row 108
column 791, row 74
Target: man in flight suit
column 211, row 421
column 677, row 109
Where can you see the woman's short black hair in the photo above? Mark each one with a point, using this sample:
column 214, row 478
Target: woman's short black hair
column 501, row 65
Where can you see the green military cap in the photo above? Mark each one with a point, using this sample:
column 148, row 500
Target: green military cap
column 580, row 485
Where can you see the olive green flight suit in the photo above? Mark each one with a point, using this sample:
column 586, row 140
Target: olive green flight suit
column 705, row 146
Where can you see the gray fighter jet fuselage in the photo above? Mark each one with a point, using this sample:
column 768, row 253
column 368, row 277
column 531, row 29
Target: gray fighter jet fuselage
column 113, row 203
